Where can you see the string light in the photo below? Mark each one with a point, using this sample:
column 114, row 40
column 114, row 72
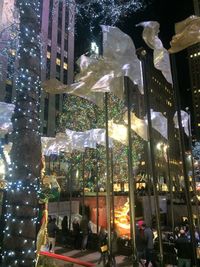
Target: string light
column 23, row 188
column 103, row 12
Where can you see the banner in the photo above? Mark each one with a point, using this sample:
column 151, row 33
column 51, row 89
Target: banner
column 139, row 126
column 72, row 140
column 120, row 52
column 104, row 74
column 160, row 54
column 184, row 121
column 159, row 123
column 118, row 132
column 186, row 34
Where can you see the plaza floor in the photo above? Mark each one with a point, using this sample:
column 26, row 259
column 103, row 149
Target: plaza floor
column 88, row 256
column 92, row 257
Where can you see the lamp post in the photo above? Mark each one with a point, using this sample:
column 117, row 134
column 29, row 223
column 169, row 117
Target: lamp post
column 182, row 152
column 165, row 149
column 151, row 154
column 192, row 166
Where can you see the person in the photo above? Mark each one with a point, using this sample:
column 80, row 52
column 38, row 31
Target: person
column 103, row 245
column 76, row 233
column 149, row 245
column 65, row 230
column 114, row 245
column 52, row 229
column 84, row 230
column 140, row 243
column 184, row 249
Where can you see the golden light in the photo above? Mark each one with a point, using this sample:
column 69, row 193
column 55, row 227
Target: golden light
column 2, row 169
column 117, row 132
column 158, row 146
column 122, row 220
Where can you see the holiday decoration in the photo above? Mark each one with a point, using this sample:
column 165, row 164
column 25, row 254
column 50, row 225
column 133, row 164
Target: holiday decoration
column 186, row 34
column 21, row 199
column 161, row 55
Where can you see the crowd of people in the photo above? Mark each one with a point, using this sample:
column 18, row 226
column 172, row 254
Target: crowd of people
column 177, row 246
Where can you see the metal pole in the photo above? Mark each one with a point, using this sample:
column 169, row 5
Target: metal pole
column 83, row 175
column 182, row 151
column 193, row 174
column 70, row 196
column 149, row 184
column 97, row 201
column 170, row 190
column 113, row 195
column 108, row 204
column 131, row 177
column 97, row 191
column 143, row 58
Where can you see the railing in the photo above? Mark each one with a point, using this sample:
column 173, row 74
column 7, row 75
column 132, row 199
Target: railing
column 66, row 258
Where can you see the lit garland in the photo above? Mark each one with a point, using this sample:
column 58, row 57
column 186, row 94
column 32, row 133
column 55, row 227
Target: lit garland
column 21, row 203
column 104, row 12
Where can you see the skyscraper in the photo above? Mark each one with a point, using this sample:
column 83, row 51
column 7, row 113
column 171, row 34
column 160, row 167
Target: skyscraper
column 57, row 30
column 57, row 45
column 194, row 65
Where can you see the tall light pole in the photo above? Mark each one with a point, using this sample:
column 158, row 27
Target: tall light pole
column 151, row 153
column 165, row 149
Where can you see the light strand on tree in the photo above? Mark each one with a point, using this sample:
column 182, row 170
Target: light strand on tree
column 25, row 121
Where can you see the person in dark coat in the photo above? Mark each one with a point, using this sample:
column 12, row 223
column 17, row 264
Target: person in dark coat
column 184, row 250
column 85, row 230
column 114, row 246
column 52, row 229
column 149, row 245
column 76, row 233
column 140, row 243
column 103, row 242
column 65, row 229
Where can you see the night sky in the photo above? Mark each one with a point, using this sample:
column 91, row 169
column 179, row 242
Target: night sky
column 167, row 13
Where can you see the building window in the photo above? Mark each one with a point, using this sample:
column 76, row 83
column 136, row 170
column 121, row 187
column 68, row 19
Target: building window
column 65, row 65
column 60, row 8
column 58, row 61
column 59, row 37
column 50, row 19
column 58, row 72
column 48, row 69
column 46, row 109
column 57, row 100
column 65, row 45
column 65, row 76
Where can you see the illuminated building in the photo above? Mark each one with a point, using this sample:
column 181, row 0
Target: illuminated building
column 57, row 39
column 161, row 98
column 194, row 65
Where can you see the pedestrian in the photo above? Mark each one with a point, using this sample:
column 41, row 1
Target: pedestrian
column 114, row 246
column 76, row 233
column 84, row 230
column 52, row 229
column 65, row 229
column 184, row 250
column 149, row 245
column 103, row 245
column 140, row 243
